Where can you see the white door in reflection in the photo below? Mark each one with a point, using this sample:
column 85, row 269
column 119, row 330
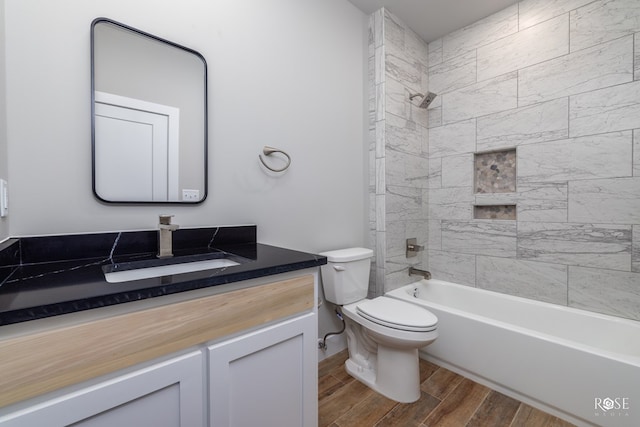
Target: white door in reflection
column 137, row 150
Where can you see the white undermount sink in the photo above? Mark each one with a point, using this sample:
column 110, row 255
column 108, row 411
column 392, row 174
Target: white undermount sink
column 166, row 270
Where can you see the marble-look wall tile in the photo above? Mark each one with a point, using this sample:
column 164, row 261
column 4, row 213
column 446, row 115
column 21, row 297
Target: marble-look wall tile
column 372, row 171
column 435, row 173
column 435, row 236
column 434, row 117
column 587, row 157
column 380, row 101
column 530, row 46
column 403, row 203
column 603, row 65
column 378, row 27
column 481, row 237
column 453, row 267
column 543, row 202
column 605, row 110
column 451, row 203
column 396, row 98
column 635, row 251
column 399, row 231
column 591, row 245
column 636, row 61
column 455, row 138
column 453, row 74
column 415, row 48
column 636, row 152
column 457, row 171
column 484, row 31
column 393, row 31
column 371, row 36
column 381, row 174
column 379, row 74
column 546, row 121
column 405, row 169
column 605, row 200
column 381, row 210
column 372, row 211
column 536, row 280
column 434, row 52
column 486, row 97
column 380, row 137
column 399, row 68
column 397, row 271
column 532, row 12
column 398, row 37
column 425, row 140
column 603, row 20
column 418, row 115
column 402, row 135
column 610, row 292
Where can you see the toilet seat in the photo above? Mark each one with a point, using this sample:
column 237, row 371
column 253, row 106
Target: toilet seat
column 397, row 314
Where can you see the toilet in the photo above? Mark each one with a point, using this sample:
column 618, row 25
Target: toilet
column 383, row 334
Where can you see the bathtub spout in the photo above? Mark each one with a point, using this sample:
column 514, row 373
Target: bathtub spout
column 418, row 272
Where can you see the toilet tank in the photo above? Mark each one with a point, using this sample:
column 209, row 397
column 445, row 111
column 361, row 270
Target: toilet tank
column 345, row 277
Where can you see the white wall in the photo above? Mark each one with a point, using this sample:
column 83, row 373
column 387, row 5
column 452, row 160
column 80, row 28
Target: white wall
column 287, row 73
column 4, row 222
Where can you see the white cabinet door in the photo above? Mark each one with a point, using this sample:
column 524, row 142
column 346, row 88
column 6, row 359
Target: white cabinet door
column 266, row 378
column 166, row 394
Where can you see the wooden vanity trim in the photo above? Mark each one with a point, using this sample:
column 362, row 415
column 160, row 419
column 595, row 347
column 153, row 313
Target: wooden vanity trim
column 38, row 363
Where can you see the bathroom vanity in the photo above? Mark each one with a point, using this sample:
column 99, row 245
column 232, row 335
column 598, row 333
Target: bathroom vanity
column 229, row 346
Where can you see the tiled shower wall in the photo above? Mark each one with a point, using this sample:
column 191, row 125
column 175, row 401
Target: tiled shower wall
column 556, row 81
column 398, row 149
column 559, row 82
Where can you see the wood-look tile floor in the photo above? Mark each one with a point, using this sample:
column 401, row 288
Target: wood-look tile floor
column 447, row 399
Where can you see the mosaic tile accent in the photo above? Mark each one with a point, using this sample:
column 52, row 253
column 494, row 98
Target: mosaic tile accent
column 495, row 172
column 495, row 212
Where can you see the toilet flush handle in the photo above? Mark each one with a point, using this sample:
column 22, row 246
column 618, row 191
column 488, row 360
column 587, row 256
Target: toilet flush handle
column 339, row 268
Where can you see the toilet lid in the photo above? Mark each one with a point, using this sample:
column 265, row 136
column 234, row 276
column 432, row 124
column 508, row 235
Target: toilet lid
column 397, row 314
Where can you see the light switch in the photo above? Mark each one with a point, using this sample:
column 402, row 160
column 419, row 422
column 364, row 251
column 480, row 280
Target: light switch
column 4, row 198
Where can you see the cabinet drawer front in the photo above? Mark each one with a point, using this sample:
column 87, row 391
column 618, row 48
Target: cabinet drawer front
column 88, row 350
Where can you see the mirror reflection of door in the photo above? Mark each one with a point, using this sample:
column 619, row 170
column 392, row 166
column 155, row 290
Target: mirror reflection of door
column 137, row 149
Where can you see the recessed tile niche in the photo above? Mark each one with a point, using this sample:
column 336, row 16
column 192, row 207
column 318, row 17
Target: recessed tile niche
column 494, row 212
column 495, row 172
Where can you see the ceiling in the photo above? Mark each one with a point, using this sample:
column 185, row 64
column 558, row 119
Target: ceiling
column 432, row 19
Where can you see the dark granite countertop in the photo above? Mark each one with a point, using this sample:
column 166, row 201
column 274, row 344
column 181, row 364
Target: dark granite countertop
column 48, row 276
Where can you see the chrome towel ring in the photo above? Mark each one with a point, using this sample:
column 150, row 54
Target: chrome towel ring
column 267, row 151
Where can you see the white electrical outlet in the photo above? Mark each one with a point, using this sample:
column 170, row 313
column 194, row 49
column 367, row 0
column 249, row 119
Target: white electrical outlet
column 4, row 198
column 190, row 195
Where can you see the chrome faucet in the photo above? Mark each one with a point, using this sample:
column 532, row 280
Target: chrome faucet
column 165, row 236
column 417, row 272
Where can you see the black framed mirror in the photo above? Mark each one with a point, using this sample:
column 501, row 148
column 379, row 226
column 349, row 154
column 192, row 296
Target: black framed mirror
column 149, row 117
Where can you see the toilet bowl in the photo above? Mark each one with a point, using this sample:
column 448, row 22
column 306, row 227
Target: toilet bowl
column 383, row 334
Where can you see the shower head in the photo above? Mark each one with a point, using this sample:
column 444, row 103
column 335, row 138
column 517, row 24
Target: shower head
column 426, row 99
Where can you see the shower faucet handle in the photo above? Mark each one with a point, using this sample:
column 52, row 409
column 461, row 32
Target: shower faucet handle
column 413, row 247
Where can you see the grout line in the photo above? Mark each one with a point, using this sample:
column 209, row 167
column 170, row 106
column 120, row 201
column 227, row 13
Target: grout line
column 515, row 416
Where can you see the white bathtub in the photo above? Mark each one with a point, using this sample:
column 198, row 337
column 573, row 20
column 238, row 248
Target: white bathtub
column 581, row 366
